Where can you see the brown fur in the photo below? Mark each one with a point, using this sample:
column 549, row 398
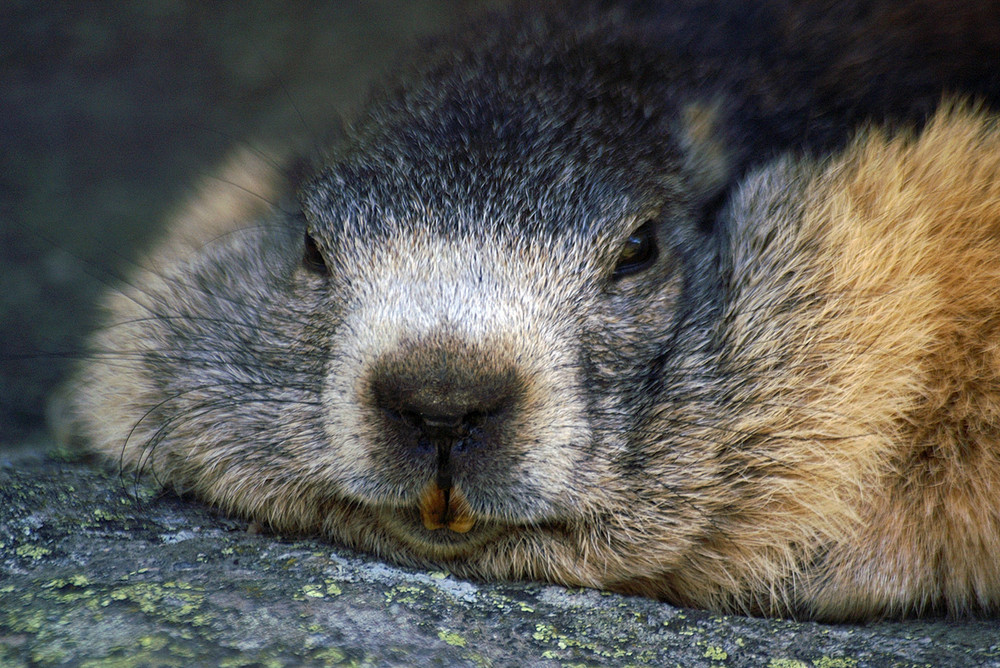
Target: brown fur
column 876, row 491
column 913, row 234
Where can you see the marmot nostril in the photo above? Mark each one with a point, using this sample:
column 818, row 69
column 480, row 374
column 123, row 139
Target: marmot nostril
column 447, row 427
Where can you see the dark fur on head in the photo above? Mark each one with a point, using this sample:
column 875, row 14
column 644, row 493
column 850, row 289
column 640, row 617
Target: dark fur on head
column 511, row 335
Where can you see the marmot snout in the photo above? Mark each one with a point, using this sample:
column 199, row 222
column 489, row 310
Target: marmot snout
column 445, row 415
column 547, row 314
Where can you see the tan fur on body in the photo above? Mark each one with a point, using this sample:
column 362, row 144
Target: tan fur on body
column 876, row 489
column 917, row 225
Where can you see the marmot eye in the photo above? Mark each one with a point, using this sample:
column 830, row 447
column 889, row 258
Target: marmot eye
column 639, row 251
column 312, row 258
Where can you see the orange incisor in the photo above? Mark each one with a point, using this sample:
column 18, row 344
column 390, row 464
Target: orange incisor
column 445, row 508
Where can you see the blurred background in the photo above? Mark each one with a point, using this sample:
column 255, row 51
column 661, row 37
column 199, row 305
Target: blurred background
column 109, row 111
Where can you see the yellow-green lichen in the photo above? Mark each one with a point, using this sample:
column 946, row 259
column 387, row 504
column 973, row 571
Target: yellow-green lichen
column 505, row 603
column 184, row 652
column 47, row 654
column 479, row 660
column 32, row 551
column 544, row 632
column 403, row 594
column 331, row 656
column 28, row 621
column 153, row 643
column 715, row 653
column 176, row 602
column 452, row 638
column 835, row 662
column 311, row 591
column 786, row 663
column 548, row 634
column 68, row 591
column 177, row 584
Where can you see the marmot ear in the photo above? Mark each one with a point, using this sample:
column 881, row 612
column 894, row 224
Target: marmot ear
column 708, row 160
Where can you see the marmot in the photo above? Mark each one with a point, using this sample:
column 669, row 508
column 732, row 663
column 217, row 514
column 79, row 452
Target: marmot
column 523, row 325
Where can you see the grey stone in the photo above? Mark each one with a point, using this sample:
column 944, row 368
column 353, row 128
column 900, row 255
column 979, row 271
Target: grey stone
column 102, row 569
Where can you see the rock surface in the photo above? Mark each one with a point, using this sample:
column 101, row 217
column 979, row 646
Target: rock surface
column 96, row 569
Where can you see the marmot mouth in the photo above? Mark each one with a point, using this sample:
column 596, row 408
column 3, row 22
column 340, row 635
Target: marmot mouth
column 442, row 525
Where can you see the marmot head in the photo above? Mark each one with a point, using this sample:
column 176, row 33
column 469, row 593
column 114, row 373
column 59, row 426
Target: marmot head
column 465, row 337
column 511, row 245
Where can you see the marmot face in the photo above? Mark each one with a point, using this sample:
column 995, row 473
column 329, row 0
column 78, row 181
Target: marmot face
column 458, row 356
column 509, row 283
column 506, row 333
column 488, row 378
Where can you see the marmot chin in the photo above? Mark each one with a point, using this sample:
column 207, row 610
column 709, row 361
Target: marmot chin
column 546, row 313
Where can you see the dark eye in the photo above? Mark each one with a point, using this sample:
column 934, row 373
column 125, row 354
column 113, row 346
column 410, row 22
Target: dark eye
column 639, row 251
column 312, row 258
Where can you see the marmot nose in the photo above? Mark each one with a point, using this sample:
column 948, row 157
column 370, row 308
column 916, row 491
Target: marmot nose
column 432, row 396
column 443, row 405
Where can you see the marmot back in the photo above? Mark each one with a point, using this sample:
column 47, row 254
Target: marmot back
column 522, row 326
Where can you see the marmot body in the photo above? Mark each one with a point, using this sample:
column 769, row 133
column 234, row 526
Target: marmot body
column 512, row 333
